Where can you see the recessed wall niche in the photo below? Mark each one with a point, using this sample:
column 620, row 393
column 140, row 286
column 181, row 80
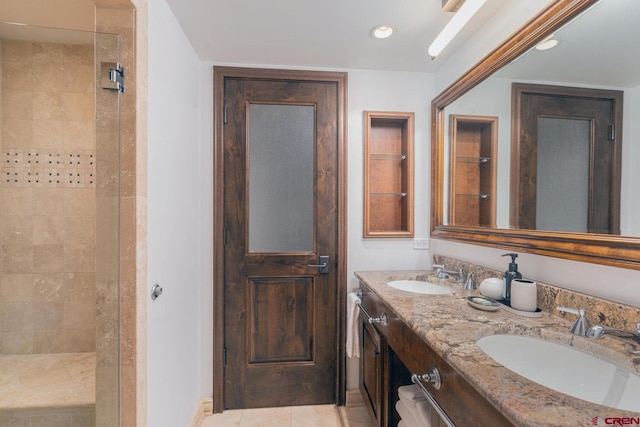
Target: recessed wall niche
column 388, row 174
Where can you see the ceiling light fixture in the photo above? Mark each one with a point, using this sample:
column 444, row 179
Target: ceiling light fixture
column 383, row 31
column 548, row 43
column 459, row 20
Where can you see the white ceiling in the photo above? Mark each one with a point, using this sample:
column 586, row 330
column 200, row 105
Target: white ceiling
column 320, row 33
column 335, row 34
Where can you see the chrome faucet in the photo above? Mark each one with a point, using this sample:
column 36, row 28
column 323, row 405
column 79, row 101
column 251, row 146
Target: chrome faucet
column 598, row 330
column 581, row 325
column 469, row 284
column 443, row 273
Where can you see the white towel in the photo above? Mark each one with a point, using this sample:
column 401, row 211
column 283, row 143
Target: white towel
column 407, row 413
column 424, row 413
column 411, row 394
column 353, row 325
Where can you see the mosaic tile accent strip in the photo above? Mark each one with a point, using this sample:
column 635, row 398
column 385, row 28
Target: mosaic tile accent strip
column 42, row 168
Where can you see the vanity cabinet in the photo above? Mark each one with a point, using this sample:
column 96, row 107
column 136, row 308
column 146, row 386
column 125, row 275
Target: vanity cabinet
column 404, row 353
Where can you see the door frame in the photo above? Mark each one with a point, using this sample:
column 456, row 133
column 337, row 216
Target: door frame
column 220, row 73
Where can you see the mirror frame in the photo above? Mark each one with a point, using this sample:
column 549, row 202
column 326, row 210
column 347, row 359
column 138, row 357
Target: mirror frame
column 617, row 251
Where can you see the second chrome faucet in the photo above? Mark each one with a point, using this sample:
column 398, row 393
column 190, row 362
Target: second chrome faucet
column 583, row 328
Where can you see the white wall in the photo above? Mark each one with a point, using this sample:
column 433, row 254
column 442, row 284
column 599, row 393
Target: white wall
column 386, row 91
column 177, row 212
column 616, row 284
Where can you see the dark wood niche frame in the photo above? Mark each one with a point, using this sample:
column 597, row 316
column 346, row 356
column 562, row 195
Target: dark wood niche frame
column 617, row 251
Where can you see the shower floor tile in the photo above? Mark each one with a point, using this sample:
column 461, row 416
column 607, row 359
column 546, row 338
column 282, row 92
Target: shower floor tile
column 35, row 381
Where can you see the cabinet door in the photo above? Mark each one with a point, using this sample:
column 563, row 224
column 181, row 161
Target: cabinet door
column 371, row 372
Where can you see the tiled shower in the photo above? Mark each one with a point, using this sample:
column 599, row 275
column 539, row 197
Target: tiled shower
column 48, row 205
column 57, row 291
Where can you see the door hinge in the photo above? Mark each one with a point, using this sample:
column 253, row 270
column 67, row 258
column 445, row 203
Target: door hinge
column 612, row 133
column 224, row 356
column 224, row 236
column 224, row 115
column 112, row 76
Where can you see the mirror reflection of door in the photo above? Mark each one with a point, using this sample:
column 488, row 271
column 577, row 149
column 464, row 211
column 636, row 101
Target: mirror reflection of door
column 566, row 157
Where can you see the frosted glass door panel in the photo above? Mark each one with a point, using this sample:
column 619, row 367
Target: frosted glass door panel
column 563, row 175
column 281, row 175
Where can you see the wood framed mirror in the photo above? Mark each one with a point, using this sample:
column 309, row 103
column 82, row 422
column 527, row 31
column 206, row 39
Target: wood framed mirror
column 620, row 250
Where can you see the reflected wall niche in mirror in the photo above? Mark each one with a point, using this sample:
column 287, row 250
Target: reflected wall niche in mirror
column 590, row 57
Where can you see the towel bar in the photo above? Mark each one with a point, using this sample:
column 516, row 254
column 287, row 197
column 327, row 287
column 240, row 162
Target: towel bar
column 382, row 319
column 415, row 378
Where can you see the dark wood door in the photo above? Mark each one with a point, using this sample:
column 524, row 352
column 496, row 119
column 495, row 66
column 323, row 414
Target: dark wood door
column 280, row 216
column 591, row 162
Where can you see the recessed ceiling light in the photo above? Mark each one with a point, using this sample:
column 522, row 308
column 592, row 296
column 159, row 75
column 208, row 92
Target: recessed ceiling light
column 548, row 43
column 383, row 31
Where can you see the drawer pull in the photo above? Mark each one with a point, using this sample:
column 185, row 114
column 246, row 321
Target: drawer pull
column 432, row 377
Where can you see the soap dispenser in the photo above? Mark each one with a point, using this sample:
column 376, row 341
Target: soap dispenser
column 509, row 275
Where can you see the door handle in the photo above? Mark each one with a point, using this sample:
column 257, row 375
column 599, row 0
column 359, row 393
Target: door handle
column 323, row 264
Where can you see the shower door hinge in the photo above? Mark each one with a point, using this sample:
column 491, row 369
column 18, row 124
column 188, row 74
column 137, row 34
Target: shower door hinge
column 612, row 133
column 224, row 115
column 112, row 76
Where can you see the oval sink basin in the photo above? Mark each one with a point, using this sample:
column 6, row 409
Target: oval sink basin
column 420, row 287
column 566, row 369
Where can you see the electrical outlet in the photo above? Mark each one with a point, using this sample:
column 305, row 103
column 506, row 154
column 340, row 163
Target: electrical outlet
column 421, row 244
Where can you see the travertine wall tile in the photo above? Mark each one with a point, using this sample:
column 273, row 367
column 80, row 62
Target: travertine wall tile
column 47, row 201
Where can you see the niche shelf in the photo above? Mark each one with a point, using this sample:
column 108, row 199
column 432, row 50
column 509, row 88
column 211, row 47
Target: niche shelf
column 388, row 174
column 472, row 198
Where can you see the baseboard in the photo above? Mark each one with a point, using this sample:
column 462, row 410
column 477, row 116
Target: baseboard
column 354, row 398
column 204, row 407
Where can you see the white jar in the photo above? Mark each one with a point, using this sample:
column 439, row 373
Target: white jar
column 524, row 295
column 492, row 287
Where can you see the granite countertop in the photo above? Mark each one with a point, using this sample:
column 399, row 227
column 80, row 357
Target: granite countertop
column 451, row 327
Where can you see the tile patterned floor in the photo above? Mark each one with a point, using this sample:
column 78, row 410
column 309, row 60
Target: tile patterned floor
column 354, row 414
column 294, row 416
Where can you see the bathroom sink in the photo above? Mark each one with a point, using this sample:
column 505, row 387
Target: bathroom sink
column 566, row 369
column 420, row 287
